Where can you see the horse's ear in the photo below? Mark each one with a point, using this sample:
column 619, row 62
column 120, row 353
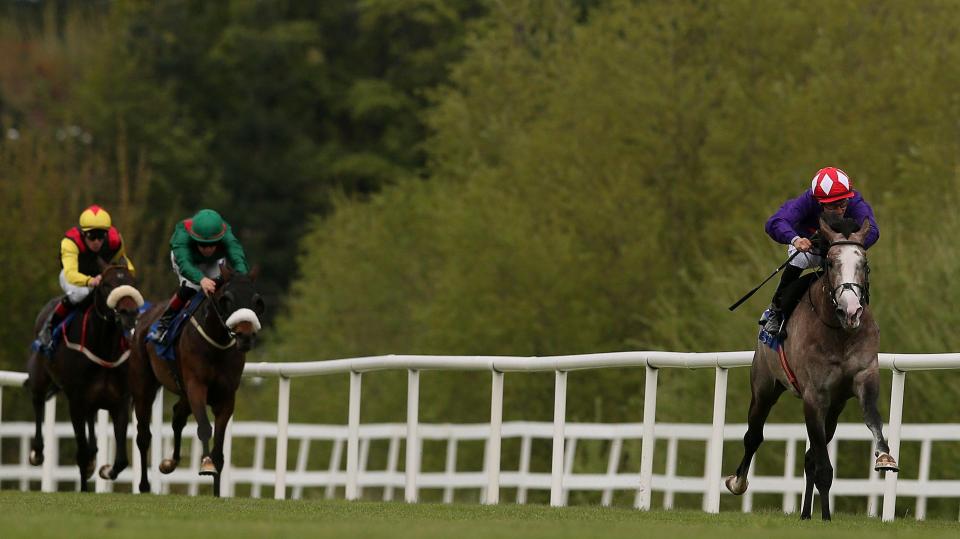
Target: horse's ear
column 861, row 234
column 827, row 232
column 103, row 265
column 254, row 273
column 226, row 271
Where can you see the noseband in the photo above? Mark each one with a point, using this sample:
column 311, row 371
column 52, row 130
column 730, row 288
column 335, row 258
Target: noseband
column 862, row 291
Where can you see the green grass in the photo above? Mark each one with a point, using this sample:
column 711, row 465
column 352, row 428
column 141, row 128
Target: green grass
column 36, row 515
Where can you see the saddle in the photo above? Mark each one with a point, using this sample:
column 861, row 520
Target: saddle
column 789, row 299
column 56, row 336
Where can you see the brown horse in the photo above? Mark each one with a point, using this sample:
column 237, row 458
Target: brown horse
column 832, row 353
column 90, row 367
column 210, row 354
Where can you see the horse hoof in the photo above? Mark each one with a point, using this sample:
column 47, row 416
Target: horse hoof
column 735, row 486
column 105, row 472
column 207, row 467
column 36, row 459
column 886, row 463
column 167, row 466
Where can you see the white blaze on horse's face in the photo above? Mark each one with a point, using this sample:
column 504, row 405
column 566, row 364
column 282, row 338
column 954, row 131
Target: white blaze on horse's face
column 847, row 266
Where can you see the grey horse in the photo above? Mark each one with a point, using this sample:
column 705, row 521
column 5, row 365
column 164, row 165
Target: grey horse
column 832, row 355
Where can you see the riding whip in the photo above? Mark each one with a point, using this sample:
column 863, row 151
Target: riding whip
column 759, row 286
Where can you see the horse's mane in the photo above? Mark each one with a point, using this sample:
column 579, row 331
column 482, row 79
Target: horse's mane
column 843, row 225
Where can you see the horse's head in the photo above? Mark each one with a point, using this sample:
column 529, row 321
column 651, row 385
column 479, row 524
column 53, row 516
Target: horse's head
column 241, row 306
column 847, row 269
column 118, row 292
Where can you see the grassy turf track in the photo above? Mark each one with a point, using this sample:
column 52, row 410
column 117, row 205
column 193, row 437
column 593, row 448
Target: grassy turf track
column 36, row 515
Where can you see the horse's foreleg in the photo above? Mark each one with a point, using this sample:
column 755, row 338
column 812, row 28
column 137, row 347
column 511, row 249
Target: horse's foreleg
column 822, row 469
column 809, row 469
column 222, row 412
column 78, row 418
column 120, row 415
column 765, row 395
column 92, row 446
column 867, row 389
column 142, row 407
column 197, row 395
column 181, row 411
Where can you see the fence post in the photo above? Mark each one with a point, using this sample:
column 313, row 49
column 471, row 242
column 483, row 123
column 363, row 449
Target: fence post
column 559, row 419
column 156, row 442
column 712, row 499
column 789, row 463
column 642, row 501
column 493, row 448
column 226, row 476
column 51, row 446
column 103, row 452
column 353, row 435
column 921, row 510
column 413, row 440
column 896, row 419
column 283, row 427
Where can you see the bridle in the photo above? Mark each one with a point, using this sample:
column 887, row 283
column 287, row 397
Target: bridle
column 212, row 302
column 862, row 291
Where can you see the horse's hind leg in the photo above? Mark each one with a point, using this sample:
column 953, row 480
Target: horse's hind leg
column 39, row 404
column 181, row 411
column 766, row 391
column 222, row 411
column 866, row 385
column 40, row 384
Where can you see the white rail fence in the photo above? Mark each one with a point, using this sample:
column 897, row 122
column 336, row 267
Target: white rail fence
column 329, row 475
column 564, row 436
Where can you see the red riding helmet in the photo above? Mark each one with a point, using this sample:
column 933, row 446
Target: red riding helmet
column 830, row 185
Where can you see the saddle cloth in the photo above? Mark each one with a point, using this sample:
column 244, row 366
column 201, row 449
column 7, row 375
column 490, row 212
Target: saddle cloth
column 165, row 349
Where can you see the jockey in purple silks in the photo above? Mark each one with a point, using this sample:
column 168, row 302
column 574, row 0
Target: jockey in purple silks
column 831, row 192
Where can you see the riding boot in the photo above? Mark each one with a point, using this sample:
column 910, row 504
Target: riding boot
column 162, row 325
column 773, row 318
column 53, row 319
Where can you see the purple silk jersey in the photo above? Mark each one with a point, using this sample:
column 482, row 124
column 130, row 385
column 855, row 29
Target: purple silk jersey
column 801, row 217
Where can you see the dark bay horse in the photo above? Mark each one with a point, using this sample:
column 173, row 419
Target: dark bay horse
column 210, row 355
column 832, row 351
column 89, row 365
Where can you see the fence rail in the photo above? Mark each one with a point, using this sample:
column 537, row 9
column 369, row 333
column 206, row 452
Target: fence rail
column 330, row 476
column 645, row 481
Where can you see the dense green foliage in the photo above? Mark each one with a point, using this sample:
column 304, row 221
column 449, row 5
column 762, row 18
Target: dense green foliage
column 602, row 186
column 259, row 109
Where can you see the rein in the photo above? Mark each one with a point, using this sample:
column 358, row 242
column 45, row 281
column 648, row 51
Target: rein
column 199, row 327
column 81, row 347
